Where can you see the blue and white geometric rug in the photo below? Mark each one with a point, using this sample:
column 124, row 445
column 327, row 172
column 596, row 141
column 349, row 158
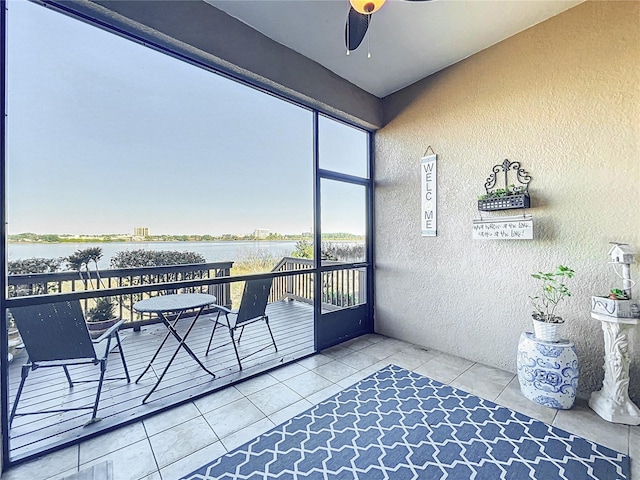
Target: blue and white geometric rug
column 398, row 425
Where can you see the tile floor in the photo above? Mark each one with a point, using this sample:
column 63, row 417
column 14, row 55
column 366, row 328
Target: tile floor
column 175, row 443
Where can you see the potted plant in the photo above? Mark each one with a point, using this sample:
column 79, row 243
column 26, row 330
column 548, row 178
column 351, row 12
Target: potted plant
column 546, row 324
column 617, row 294
column 505, row 199
column 615, row 304
column 101, row 316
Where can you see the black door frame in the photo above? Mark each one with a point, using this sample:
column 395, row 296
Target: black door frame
column 4, row 350
column 336, row 327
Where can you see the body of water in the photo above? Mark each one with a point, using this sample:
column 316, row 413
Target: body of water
column 212, row 251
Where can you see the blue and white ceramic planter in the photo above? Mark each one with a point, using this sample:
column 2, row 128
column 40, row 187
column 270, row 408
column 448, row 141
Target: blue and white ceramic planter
column 548, row 372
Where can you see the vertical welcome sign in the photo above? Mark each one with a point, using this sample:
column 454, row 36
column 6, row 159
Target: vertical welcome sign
column 429, row 174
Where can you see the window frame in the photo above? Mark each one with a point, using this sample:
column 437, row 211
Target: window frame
column 318, row 174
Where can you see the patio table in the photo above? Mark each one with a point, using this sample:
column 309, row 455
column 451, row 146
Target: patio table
column 174, row 303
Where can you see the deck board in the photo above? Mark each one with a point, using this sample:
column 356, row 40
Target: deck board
column 293, row 329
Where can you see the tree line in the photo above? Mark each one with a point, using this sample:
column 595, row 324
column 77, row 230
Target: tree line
column 227, row 237
column 83, row 260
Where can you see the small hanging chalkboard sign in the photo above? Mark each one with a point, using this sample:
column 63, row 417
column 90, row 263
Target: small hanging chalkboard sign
column 504, row 228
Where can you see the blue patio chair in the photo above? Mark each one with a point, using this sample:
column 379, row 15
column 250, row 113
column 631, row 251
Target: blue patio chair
column 252, row 309
column 56, row 335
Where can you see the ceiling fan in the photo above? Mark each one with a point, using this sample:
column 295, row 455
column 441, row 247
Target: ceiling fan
column 358, row 21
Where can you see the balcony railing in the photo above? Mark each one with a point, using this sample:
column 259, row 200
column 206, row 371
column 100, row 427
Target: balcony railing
column 67, row 282
column 341, row 287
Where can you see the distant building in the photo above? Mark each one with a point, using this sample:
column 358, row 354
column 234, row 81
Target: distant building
column 141, row 232
column 261, row 233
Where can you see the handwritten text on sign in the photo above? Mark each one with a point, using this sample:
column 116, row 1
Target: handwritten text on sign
column 428, row 173
column 504, row 230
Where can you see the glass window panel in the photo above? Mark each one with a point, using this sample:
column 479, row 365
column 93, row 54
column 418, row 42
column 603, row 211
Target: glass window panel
column 343, row 221
column 117, row 146
column 343, row 148
column 111, row 140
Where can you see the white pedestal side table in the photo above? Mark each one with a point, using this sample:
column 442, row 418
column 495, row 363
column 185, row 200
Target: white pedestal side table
column 612, row 402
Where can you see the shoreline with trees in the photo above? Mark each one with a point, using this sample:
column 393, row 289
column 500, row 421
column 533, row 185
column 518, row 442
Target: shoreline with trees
column 122, row 238
column 249, row 262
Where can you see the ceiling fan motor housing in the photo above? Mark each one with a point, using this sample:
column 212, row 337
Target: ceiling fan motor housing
column 366, row 7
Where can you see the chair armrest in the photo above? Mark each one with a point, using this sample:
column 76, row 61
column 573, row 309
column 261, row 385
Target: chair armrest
column 224, row 309
column 108, row 332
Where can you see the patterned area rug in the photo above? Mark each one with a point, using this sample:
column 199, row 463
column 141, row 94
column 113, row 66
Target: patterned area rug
column 396, row 424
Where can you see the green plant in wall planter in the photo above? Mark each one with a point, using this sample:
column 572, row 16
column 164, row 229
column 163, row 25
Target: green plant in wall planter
column 503, row 192
column 546, row 322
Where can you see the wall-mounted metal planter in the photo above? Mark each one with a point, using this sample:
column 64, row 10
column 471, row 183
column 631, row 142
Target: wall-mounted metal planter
column 515, row 193
column 507, row 202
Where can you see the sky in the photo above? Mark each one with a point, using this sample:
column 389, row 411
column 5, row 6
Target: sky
column 105, row 135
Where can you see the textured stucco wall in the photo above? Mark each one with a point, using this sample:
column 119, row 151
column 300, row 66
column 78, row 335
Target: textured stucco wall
column 563, row 99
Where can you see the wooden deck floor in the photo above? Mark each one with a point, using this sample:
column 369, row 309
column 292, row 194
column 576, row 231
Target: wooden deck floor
column 292, row 325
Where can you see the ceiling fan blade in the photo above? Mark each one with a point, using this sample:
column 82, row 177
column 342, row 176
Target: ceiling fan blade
column 355, row 29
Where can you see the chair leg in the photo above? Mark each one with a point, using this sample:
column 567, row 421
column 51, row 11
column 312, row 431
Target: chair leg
column 124, row 362
column 103, row 369
column 233, row 342
column 24, row 375
column 266, row 319
column 215, row 324
column 241, row 332
column 66, row 372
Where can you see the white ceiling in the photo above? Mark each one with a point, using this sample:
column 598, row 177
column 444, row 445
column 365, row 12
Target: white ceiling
column 408, row 40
